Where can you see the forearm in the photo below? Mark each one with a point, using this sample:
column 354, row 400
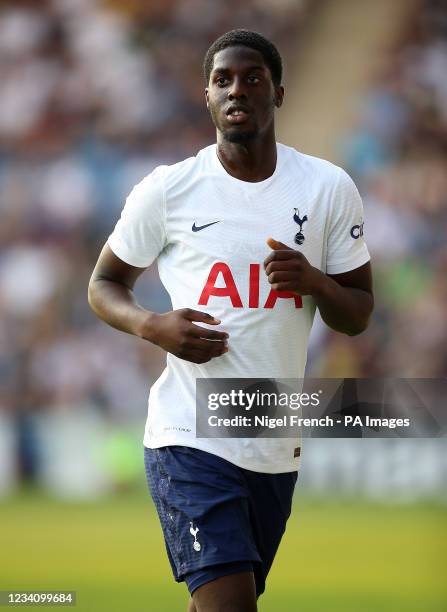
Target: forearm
column 344, row 309
column 115, row 304
column 174, row 331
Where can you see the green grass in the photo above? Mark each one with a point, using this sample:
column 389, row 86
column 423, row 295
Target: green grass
column 335, row 557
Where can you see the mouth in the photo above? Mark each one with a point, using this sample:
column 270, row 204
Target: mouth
column 237, row 114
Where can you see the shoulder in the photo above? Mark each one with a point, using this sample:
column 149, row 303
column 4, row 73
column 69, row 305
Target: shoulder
column 166, row 181
column 167, row 175
column 187, row 171
column 324, row 172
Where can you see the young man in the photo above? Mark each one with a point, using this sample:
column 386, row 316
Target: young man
column 243, row 305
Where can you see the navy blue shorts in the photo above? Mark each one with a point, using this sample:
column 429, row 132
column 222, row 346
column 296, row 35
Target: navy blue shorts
column 217, row 518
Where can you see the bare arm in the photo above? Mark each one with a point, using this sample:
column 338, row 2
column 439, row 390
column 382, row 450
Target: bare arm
column 110, row 294
column 345, row 301
column 111, row 297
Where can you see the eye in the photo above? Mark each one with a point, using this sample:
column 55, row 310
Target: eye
column 221, row 81
column 253, row 79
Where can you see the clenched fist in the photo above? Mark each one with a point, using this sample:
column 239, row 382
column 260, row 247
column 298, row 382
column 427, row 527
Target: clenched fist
column 289, row 270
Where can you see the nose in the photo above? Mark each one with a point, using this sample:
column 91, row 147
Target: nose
column 237, row 90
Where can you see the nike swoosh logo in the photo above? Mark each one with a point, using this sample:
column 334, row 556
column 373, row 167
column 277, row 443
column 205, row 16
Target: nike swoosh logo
column 197, row 228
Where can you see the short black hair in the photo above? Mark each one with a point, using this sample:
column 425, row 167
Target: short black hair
column 246, row 38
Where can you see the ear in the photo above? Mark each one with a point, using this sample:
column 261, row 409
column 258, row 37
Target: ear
column 207, row 98
column 279, row 96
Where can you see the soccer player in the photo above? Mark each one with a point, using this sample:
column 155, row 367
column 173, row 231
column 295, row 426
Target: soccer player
column 250, row 237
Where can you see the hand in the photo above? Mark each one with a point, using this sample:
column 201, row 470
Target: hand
column 289, row 270
column 176, row 333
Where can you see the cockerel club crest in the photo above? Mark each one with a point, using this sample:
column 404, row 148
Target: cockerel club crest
column 299, row 238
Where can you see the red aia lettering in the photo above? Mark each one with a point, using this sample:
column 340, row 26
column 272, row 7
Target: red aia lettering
column 253, row 296
column 274, row 295
column 230, row 289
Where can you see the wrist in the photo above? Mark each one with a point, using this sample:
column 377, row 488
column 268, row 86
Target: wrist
column 147, row 325
column 320, row 284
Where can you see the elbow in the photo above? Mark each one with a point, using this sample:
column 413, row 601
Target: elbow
column 359, row 326
column 91, row 295
column 356, row 331
column 351, row 327
column 362, row 321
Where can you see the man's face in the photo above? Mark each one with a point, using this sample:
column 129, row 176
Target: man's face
column 241, row 96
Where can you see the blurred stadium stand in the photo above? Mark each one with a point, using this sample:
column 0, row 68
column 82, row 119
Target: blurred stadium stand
column 94, row 95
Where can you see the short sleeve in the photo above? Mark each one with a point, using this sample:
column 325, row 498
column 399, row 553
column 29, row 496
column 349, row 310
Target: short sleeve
column 140, row 234
column 346, row 247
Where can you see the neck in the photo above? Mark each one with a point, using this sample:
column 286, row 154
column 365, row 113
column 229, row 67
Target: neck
column 252, row 162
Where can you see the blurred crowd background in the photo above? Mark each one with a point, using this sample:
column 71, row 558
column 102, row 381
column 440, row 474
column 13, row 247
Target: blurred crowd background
column 396, row 151
column 95, row 94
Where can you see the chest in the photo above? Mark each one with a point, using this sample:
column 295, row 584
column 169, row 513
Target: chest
column 216, row 223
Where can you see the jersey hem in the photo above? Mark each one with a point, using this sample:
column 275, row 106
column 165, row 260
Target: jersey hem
column 210, row 562
column 122, row 252
column 246, row 465
column 347, row 266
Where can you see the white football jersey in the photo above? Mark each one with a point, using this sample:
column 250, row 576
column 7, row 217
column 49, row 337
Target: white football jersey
column 208, row 232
